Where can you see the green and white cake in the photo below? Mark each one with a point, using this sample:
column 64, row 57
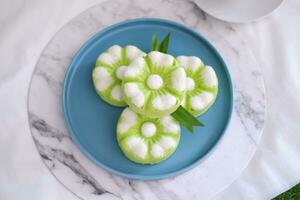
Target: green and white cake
column 159, row 90
column 109, row 71
column 154, row 85
column 147, row 140
column 201, row 85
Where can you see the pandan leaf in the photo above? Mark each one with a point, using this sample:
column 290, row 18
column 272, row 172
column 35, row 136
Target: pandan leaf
column 154, row 43
column 183, row 122
column 186, row 119
column 164, row 44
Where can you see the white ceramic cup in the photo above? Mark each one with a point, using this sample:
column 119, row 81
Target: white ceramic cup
column 239, row 11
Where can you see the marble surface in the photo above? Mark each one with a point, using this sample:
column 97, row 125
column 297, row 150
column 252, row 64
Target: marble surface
column 87, row 180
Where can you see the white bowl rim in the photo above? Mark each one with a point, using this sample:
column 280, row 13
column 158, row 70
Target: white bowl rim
column 236, row 20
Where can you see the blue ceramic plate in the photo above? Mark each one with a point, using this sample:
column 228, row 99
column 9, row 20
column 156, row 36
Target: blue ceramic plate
column 92, row 122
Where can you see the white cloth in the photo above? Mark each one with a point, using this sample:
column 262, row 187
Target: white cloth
column 275, row 167
column 27, row 26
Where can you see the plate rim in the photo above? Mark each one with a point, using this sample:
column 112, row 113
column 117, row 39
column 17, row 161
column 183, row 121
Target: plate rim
column 236, row 21
column 139, row 176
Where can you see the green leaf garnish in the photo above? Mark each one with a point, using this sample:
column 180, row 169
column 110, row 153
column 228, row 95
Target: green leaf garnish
column 185, row 114
column 154, row 43
column 185, row 118
column 183, row 122
column 157, row 46
column 164, row 44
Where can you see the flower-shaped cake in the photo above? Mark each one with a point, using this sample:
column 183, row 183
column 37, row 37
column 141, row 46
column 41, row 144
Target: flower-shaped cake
column 201, row 85
column 154, row 85
column 147, row 140
column 109, row 71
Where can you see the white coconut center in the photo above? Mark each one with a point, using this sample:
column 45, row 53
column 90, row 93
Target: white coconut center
column 120, row 72
column 190, row 84
column 148, row 129
column 155, row 81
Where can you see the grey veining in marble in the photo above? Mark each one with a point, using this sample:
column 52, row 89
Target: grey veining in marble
column 89, row 181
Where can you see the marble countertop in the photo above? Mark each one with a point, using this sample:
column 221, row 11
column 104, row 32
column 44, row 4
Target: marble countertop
column 274, row 167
